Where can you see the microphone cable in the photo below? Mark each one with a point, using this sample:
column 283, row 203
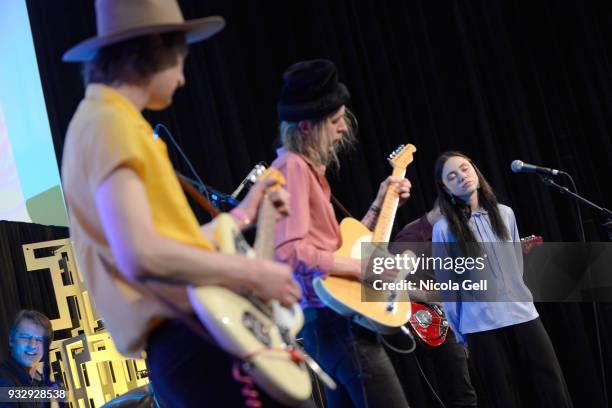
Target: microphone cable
column 201, row 185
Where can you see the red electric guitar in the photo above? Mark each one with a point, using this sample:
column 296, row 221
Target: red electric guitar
column 429, row 323
column 428, row 320
column 528, row 243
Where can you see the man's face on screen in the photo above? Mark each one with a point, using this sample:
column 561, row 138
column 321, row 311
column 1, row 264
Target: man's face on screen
column 27, row 342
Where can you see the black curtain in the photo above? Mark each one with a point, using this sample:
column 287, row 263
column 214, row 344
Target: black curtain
column 20, row 288
column 498, row 80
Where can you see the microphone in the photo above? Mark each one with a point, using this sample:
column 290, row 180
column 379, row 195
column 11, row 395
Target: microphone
column 519, row 167
column 250, row 178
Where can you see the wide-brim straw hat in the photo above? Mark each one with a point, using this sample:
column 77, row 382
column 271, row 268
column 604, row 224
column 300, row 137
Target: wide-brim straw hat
column 119, row 20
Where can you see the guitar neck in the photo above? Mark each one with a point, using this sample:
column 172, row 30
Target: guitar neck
column 266, row 228
column 384, row 224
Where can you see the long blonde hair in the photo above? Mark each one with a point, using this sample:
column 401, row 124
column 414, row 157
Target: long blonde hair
column 317, row 148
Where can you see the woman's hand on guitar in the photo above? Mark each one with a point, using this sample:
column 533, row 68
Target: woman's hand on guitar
column 274, row 281
column 402, row 188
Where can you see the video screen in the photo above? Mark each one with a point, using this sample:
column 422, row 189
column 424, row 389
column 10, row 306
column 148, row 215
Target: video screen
column 30, row 189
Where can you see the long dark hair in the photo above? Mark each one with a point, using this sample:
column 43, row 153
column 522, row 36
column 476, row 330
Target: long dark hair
column 458, row 212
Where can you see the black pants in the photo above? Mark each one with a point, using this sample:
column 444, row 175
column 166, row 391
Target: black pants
column 517, row 367
column 355, row 359
column 448, row 362
column 186, row 371
column 445, row 368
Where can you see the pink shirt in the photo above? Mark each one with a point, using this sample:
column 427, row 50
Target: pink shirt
column 308, row 237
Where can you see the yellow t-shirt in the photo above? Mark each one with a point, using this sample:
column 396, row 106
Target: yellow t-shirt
column 107, row 132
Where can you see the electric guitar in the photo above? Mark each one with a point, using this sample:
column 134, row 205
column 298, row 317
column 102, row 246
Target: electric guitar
column 428, row 320
column 260, row 333
column 386, row 311
column 429, row 323
column 530, row 242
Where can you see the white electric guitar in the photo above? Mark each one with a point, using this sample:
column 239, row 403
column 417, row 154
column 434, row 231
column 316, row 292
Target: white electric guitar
column 260, row 333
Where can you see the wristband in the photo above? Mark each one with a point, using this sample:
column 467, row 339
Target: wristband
column 241, row 216
column 375, row 209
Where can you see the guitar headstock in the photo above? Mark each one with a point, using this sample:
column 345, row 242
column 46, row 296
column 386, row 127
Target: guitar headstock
column 528, row 243
column 402, row 156
column 257, row 171
column 273, row 174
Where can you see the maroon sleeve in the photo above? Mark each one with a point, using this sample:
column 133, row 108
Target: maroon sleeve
column 418, row 230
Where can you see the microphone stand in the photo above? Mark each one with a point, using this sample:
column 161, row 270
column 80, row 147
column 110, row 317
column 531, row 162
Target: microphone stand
column 607, row 225
column 603, row 211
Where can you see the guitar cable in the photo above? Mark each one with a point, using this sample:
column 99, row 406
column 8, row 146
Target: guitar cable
column 407, row 332
column 397, row 350
column 431, row 388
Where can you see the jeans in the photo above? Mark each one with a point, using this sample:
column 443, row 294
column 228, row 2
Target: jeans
column 354, row 358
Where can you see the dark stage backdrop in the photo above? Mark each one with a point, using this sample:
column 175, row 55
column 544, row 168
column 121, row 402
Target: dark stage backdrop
column 498, row 80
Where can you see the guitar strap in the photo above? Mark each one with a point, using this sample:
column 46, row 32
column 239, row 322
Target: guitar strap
column 340, row 207
column 198, row 198
column 334, row 200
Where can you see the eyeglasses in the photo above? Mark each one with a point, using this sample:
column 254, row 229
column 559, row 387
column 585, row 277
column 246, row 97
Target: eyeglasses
column 27, row 338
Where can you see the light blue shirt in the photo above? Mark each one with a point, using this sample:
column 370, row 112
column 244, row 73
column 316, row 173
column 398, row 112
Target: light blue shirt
column 505, row 272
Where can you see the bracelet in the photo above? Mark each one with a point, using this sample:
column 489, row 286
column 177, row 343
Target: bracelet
column 375, row 209
column 239, row 214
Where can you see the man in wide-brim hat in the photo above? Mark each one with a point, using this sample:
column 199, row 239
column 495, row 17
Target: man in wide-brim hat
column 129, row 219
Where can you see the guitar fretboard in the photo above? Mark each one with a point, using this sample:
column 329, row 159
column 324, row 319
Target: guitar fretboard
column 384, row 224
column 266, row 225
